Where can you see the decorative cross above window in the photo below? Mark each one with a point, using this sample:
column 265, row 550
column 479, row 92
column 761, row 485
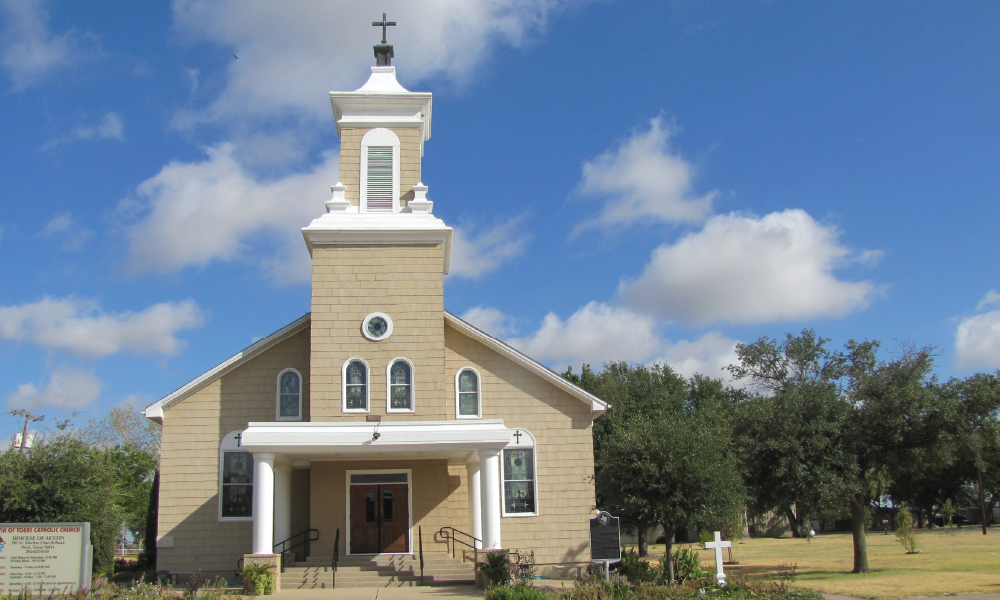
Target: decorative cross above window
column 517, row 435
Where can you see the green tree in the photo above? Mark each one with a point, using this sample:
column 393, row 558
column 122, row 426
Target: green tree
column 790, row 427
column 62, row 479
column 663, row 450
column 852, row 420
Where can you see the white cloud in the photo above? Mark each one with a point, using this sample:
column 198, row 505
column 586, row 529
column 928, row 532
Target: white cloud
column 67, row 388
column 708, row 355
column 744, row 269
column 292, row 54
column 475, row 256
column 490, row 320
column 110, row 127
column 29, row 51
column 79, row 327
column 977, row 338
column 593, row 334
column 643, row 181
column 69, row 230
column 992, row 298
column 194, row 213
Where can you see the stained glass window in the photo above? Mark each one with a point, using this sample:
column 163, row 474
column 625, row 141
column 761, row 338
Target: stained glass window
column 400, row 386
column 237, row 484
column 356, row 386
column 289, row 394
column 468, row 393
column 519, row 480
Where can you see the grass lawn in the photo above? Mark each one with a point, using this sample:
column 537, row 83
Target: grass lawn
column 950, row 561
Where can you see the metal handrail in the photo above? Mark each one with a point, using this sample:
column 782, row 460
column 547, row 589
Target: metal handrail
column 420, row 538
column 285, row 548
column 336, row 557
column 451, row 536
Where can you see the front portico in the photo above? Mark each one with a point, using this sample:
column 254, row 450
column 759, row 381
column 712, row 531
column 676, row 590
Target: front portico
column 278, row 446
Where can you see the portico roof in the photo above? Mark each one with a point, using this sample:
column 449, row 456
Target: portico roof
column 358, row 438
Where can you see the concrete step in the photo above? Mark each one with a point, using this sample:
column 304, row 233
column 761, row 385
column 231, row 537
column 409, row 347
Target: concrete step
column 378, row 571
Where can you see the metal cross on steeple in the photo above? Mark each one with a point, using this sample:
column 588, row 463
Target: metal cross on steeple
column 383, row 25
column 383, row 51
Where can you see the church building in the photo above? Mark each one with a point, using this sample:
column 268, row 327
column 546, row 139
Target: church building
column 379, row 426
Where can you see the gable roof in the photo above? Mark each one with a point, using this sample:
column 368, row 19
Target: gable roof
column 155, row 411
column 596, row 404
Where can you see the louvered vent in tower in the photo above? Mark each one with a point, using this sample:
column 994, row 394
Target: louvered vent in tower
column 379, row 189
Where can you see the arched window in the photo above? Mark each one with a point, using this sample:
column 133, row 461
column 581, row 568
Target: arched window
column 355, row 392
column 400, row 392
column 518, row 467
column 289, row 401
column 467, row 394
column 380, row 171
column 235, row 480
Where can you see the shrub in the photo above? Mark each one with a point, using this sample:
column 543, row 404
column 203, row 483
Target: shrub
column 687, row 566
column 258, row 579
column 522, row 567
column 518, row 591
column 496, row 567
column 904, row 531
column 635, row 569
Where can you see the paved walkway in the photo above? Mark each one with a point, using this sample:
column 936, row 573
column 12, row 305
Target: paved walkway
column 469, row 591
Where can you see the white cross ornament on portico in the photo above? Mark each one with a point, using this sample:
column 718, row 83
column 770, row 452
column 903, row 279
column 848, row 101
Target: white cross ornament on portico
column 718, row 545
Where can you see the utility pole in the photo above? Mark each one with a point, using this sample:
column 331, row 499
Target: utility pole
column 27, row 418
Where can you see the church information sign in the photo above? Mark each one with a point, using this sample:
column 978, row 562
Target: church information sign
column 605, row 539
column 44, row 557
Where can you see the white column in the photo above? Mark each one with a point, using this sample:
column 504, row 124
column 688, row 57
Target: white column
column 489, row 476
column 263, row 503
column 282, row 503
column 475, row 499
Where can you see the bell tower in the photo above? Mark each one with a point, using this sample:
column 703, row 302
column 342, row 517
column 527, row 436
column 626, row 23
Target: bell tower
column 379, row 256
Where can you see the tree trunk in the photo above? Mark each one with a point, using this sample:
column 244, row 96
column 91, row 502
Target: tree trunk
column 858, row 532
column 643, row 529
column 793, row 522
column 668, row 544
column 982, row 500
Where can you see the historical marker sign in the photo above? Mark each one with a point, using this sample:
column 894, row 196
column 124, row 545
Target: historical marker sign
column 605, row 538
column 44, row 557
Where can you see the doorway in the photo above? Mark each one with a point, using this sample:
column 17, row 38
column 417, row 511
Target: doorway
column 379, row 513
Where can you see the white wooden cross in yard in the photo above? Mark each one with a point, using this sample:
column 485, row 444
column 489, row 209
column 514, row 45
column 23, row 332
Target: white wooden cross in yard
column 718, row 545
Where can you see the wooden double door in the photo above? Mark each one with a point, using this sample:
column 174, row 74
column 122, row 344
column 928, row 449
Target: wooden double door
column 380, row 518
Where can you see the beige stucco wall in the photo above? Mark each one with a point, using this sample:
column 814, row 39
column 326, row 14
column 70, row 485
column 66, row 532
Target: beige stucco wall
column 351, row 282
column 189, row 458
column 562, row 427
column 350, row 161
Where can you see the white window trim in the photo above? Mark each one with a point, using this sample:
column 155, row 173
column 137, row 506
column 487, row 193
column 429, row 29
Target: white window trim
column 230, row 444
column 343, row 387
column 277, row 397
column 388, row 327
column 513, row 445
column 479, row 394
column 409, row 503
column 380, row 136
column 388, row 387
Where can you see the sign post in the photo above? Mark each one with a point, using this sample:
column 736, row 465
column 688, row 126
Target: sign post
column 605, row 541
column 45, row 557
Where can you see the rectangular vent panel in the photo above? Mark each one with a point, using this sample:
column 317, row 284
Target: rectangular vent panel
column 379, row 191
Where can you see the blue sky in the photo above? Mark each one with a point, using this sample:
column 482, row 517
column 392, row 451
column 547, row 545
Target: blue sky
column 628, row 180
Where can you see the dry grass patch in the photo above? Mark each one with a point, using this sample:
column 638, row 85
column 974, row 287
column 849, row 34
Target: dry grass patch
column 950, row 561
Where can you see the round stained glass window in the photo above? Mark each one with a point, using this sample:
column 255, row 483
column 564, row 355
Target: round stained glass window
column 377, row 326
